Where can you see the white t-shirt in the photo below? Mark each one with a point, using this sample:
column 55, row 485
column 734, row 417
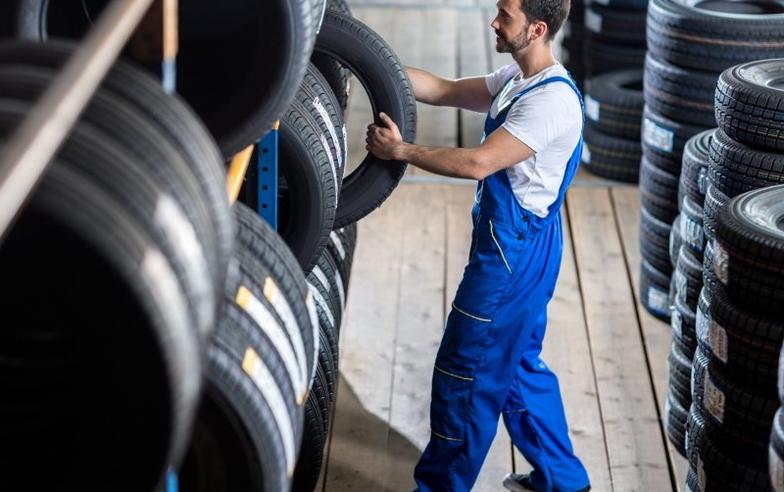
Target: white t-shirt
column 549, row 120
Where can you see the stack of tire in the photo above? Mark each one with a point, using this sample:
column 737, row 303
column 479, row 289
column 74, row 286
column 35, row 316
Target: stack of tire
column 614, row 35
column 573, row 41
column 686, row 249
column 681, row 70
column 613, row 110
column 739, row 318
column 114, row 272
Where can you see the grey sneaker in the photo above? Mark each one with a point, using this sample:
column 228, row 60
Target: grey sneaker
column 522, row 483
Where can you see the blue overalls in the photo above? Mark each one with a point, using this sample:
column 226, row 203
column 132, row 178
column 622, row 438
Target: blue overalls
column 488, row 362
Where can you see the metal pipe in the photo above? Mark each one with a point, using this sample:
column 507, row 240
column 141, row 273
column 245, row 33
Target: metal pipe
column 32, row 146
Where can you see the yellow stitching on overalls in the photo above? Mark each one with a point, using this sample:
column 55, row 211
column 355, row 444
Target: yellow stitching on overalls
column 485, row 320
column 503, row 257
column 452, row 375
column 444, row 437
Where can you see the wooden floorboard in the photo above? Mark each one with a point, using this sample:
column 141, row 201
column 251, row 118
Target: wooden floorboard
column 656, row 333
column 637, row 457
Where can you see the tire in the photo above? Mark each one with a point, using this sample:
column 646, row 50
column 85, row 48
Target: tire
column 695, row 426
column 665, row 139
column 99, row 389
column 615, row 25
column 134, row 136
column 167, row 112
column 311, row 454
column 735, row 168
column 378, row 69
column 683, row 321
column 675, row 425
column 747, row 103
column 714, row 201
column 324, row 279
column 739, row 415
column 699, row 37
column 284, row 286
column 247, row 431
column 654, row 242
column 611, row 157
column 709, row 279
column 679, row 365
column 675, row 240
column 694, row 170
column 308, row 184
column 658, row 191
column 613, row 103
column 638, row 5
column 678, row 93
column 335, row 74
column 341, row 247
column 749, row 250
column 601, row 57
column 654, row 291
column 692, row 231
column 743, row 342
column 688, row 278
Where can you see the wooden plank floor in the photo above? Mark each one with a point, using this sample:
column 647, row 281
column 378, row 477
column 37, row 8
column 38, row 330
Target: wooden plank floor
column 609, row 354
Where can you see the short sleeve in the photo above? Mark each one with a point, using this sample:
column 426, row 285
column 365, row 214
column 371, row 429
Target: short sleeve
column 540, row 118
column 495, row 81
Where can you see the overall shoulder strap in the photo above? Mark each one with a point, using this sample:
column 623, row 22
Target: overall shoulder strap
column 556, row 78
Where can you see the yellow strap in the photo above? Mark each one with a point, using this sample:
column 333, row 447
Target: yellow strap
column 237, row 170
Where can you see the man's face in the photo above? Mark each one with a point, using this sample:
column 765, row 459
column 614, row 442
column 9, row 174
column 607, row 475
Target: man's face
column 511, row 27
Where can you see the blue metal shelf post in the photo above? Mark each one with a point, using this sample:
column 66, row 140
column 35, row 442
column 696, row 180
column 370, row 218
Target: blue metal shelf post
column 267, row 177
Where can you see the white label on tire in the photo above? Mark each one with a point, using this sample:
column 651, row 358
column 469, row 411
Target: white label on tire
column 314, row 325
column 323, row 304
column 702, row 180
column 267, row 323
column 330, row 129
column 593, row 21
column 721, row 262
column 182, row 238
column 657, row 136
column 322, row 278
column 713, row 400
column 262, row 378
column 338, row 244
column 586, row 154
column 718, row 340
column 325, row 144
column 658, row 300
column 676, row 322
column 592, row 108
column 692, row 233
column 681, row 285
column 703, row 327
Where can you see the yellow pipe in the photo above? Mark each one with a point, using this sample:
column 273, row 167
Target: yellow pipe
column 237, row 169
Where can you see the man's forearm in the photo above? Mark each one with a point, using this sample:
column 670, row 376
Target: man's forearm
column 452, row 162
column 428, row 88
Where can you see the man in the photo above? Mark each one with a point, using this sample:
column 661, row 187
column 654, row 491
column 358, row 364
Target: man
column 488, row 363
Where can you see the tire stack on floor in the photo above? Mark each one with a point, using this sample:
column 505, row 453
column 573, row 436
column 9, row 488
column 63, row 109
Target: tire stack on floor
column 681, row 69
column 614, row 35
column 613, row 111
column 739, row 318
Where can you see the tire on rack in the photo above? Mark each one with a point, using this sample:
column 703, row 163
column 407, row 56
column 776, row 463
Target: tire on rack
column 679, row 93
column 654, row 241
column 601, row 56
column 246, row 432
column 748, row 99
column 615, row 25
column 658, row 191
column 748, row 255
column 663, row 139
column 714, row 36
column 692, row 232
column 675, row 424
column 215, row 42
column 614, row 102
column 688, row 278
column 654, row 291
column 311, row 456
column 341, row 246
column 378, row 69
column 95, row 386
column 167, row 113
column 675, row 239
column 683, row 321
column 611, row 157
column 337, row 76
column 714, row 201
column 679, row 368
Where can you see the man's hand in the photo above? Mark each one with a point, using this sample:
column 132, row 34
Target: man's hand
column 384, row 141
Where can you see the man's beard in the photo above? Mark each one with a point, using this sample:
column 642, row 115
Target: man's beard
column 512, row 46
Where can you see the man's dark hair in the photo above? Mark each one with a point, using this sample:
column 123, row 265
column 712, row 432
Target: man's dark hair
column 551, row 12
